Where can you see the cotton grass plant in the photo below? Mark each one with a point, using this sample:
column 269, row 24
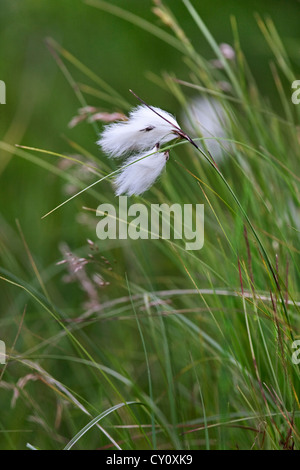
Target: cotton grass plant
column 182, row 350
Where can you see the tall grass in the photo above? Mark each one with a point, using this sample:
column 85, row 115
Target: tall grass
column 201, row 340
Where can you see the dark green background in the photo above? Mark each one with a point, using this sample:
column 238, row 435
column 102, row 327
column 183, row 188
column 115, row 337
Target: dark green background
column 40, row 102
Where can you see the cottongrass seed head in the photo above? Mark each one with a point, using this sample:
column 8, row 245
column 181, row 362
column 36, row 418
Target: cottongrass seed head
column 140, row 137
column 206, row 117
column 142, row 131
column 140, row 172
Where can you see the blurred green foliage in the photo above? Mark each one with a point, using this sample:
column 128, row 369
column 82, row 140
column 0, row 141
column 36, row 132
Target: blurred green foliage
column 41, row 103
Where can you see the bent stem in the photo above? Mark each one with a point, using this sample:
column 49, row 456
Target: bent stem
column 244, row 213
column 183, row 135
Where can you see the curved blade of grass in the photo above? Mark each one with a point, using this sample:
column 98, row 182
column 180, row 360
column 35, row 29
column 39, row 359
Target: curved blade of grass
column 89, row 73
column 96, row 420
column 94, row 183
column 211, row 161
column 60, row 388
column 31, row 447
column 41, row 163
column 89, row 90
column 76, row 342
column 66, row 157
column 147, row 364
column 264, row 252
column 212, row 42
column 71, row 80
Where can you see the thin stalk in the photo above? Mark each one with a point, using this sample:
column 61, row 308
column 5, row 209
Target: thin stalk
column 180, row 133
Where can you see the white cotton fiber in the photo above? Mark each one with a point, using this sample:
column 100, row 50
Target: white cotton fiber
column 140, row 172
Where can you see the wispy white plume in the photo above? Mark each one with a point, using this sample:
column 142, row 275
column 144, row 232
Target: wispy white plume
column 142, row 131
column 206, row 117
column 140, row 172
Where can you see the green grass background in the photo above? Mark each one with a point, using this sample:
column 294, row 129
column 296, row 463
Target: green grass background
column 188, row 358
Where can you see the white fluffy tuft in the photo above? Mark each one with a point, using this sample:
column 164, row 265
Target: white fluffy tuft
column 143, row 130
column 207, row 118
column 141, row 173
